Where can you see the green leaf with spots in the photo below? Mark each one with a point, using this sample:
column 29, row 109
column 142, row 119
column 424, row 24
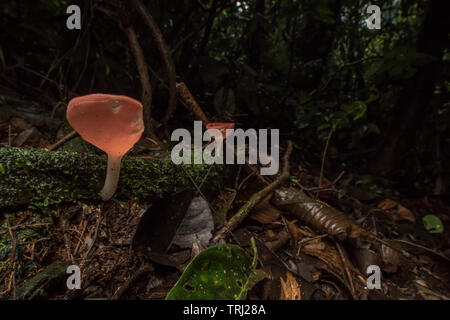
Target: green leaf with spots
column 217, row 273
column 2, row 169
column 433, row 224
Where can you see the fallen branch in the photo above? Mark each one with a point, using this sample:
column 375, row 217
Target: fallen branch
column 255, row 198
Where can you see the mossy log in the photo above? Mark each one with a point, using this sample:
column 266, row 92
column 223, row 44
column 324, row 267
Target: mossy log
column 42, row 177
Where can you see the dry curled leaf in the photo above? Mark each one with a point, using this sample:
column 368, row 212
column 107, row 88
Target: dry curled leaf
column 290, row 289
column 196, row 226
column 387, row 204
column 317, row 215
column 294, row 230
column 396, row 211
column 315, row 245
column 265, row 212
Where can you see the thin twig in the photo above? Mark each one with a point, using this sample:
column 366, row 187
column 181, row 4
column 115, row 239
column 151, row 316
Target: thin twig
column 324, row 156
column 97, row 228
column 422, row 247
column 23, row 226
column 81, row 237
column 67, row 137
column 325, row 187
column 347, row 271
column 13, row 257
column 198, row 188
column 13, row 243
column 143, row 270
column 255, row 198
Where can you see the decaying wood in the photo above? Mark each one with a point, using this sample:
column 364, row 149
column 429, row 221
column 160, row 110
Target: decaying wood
column 256, row 198
column 43, row 177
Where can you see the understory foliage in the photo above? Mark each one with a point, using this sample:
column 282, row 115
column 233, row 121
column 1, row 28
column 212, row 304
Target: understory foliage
column 304, row 66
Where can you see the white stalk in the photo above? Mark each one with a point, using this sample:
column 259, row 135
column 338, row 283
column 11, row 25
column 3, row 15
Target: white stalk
column 112, row 177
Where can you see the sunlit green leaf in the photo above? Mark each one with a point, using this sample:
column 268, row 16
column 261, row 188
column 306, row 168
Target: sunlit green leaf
column 217, row 273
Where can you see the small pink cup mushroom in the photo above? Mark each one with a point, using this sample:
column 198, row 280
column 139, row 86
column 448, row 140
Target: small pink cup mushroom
column 110, row 122
column 222, row 126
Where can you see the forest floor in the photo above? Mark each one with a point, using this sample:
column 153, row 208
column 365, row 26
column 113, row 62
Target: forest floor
column 302, row 259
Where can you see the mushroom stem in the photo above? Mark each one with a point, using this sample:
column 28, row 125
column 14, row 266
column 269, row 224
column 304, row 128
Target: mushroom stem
column 112, row 177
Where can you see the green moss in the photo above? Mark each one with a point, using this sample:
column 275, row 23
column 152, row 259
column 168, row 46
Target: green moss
column 77, row 144
column 43, row 178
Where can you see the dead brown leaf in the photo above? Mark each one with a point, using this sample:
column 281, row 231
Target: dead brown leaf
column 387, row 204
column 314, row 245
column 265, row 212
column 405, row 214
column 25, row 135
column 294, row 230
column 270, row 234
column 290, row 289
column 19, row 123
column 396, row 211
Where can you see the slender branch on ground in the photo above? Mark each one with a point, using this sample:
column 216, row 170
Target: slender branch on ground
column 255, row 198
column 61, row 141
